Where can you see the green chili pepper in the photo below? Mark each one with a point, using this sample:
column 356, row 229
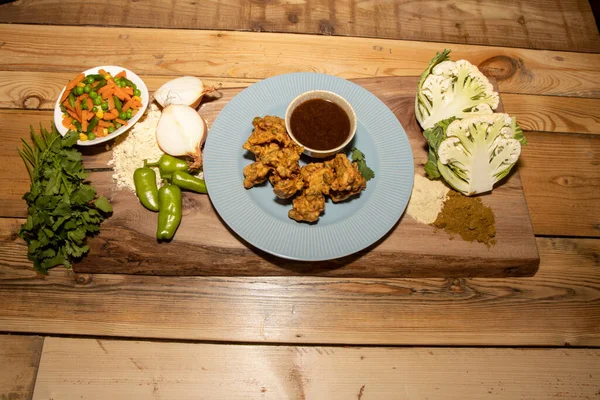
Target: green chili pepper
column 169, row 213
column 168, row 164
column 72, row 100
column 188, row 182
column 92, row 124
column 145, row 187
column 118, row 104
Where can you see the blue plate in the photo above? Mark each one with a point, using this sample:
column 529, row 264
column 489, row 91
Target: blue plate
column 261, row 219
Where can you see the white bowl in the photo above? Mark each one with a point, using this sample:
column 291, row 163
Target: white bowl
column 113, row 70
column 325, row 95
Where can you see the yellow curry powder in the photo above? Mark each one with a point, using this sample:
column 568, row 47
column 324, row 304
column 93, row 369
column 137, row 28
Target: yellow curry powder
column 467, row 217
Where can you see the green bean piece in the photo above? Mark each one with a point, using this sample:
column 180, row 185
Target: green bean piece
column 72, row 100
column 117, row 125
column 63, row 108
column 95, row 77
column 93, row 123
column 118, row 104
column 84, row 105
column 145, row 187
column 188, row 182
column 101, row 83
column 169, row 213
column 77, row 125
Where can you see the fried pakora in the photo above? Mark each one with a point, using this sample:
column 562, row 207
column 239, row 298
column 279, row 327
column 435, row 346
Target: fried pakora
column 277, row 159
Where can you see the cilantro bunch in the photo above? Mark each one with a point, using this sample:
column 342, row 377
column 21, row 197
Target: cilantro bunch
column 62, row 208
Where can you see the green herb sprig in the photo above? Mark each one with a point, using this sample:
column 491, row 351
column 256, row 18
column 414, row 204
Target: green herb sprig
column 63, row 209
column 359, row 158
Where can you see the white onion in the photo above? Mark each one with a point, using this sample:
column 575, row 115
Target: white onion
column 186, row 90
column 181, row 132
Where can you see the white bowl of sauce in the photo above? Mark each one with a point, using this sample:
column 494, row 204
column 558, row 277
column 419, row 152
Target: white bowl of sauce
column 320, row 121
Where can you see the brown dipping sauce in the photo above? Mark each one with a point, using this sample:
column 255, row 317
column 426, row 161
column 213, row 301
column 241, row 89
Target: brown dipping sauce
column 320, row 124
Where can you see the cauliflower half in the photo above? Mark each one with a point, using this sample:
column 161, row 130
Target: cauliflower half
column 476, row 152
column 452, row 89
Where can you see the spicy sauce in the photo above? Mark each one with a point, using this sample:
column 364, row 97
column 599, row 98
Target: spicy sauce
column 320, row 124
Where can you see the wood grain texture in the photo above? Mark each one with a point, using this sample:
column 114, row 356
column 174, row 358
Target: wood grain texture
column 559, row 306
column 19, row 358
column 220, row 54
column 510, row 23
column 100, row 369
column 546, row 180
column 39, row 90
column 204, row 245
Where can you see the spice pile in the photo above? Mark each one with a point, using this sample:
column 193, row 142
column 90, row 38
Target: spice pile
column 427, row 199
column 467, row 217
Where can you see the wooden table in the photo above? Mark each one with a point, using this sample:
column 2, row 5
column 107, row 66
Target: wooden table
column 69, row 336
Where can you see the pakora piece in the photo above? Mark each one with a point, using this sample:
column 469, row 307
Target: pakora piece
column 348, row 179
column 307, row 207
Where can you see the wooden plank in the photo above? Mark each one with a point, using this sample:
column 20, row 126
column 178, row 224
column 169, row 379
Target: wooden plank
column 245, row 55
column 546, row 188
column 19, row 358
column 510, row 23
column 39, row 90
column 100, row 369
column 205, row 246
column 559, row 306
column 554, row 114
column 561, row 163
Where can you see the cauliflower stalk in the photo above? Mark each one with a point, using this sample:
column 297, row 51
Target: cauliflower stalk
column 474, row 153
column 452, row 89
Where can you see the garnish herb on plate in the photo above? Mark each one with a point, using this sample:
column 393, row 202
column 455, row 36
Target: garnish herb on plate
column 63, row 209
column 359, row 158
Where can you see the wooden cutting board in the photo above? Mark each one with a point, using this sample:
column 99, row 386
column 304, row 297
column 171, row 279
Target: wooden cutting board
column 204, row 245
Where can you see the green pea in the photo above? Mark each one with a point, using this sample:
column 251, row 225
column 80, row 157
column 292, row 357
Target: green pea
column 129, row 114
column 137, row 92
column 91, row 136
column 93, row 94
column 95, row 109
column 117, row 125
column 97, row 101
column 90, row 79
column 123, row 115
column 111, row 129
column 78, row 90
column 87, row 89
column 104, row 106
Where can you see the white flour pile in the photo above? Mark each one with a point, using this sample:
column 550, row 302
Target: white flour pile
column 427, row 199
column 133, row 147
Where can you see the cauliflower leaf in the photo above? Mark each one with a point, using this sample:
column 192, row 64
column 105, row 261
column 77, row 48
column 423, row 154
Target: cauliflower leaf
column 449, row 89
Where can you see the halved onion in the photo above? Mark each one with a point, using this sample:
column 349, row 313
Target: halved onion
column 186, row 90
column 181, row 132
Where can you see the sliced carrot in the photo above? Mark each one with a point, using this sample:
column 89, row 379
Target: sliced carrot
column 67, row 105
column 84, row 120
column 104, row 88
column 121, row 121
column 90, row 103
column 114, row 112
column 95, row 83
column 120, row 93
column 66, row 122
column 128, row 90
column 71, row 85
column 104, row 124
column 91, row 115
column 74, row 115
column 109, row 117
column 102, row 72
column 127, row 105
column 78, row 109
column 111, row 103
column 137, row 103
column 121, row 74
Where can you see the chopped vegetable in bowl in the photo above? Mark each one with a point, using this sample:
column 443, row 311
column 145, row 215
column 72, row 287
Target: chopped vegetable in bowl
column 100, row 104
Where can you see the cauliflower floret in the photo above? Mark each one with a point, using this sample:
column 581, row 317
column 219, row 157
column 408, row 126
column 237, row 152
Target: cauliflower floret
column 478, row 151
column 452, row 89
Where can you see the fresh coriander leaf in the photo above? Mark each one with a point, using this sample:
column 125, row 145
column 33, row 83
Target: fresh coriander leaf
column 359, row 158
column 103, row 205
column 83, row 195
